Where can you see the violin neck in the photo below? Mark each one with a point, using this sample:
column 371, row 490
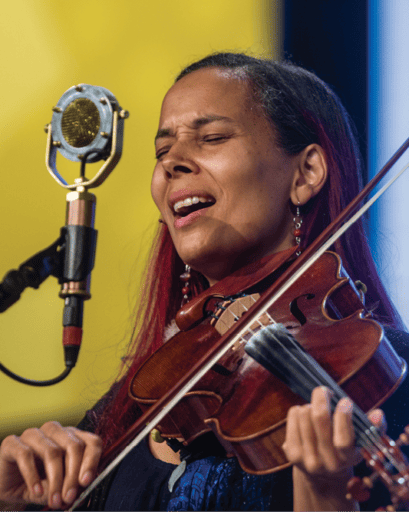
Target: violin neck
column 279, row 352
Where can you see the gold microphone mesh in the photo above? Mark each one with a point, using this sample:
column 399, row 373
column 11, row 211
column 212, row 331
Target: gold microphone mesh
column 80, row 122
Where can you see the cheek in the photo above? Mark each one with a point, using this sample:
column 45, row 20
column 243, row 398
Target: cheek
column 157, row 190
column 260, row 204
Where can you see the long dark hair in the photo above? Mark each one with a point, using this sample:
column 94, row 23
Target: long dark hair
column 303, row 110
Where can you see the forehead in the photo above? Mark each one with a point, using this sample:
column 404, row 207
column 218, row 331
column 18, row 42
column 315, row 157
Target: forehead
column 208, row 91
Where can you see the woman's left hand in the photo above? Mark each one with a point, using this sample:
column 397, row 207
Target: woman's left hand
column 318, row 442
column 321, row 447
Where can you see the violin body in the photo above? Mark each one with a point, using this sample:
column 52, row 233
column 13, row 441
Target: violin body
column 243, row 403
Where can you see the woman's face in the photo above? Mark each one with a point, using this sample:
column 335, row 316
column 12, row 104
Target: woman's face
column 221, row 182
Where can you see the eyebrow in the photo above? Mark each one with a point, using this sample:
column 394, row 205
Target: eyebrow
column 197, row 123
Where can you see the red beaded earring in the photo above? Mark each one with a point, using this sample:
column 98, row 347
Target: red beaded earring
column 297, row 220
column 185, row 278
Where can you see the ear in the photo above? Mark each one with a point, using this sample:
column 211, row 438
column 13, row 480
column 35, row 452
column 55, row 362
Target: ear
column 310, row 175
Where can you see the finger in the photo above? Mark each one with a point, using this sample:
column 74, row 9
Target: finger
column 377, row 417
column 83, row 452
column 52, row 457
column 73, row 448
column 91, row 457
column 344, row 434
column 21, row 470
column 311, row 460
column 293, row 445
column 322, row 422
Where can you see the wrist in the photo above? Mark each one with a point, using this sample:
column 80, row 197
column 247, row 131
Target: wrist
column 322, row 492
column 342, row 476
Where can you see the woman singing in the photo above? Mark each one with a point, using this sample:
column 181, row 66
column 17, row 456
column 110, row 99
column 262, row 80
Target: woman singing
column 246, row 148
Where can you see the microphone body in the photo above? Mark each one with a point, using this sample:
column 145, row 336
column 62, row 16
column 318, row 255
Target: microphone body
column 79, row 257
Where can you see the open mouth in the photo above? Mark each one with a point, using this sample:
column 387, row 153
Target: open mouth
column 192, row 204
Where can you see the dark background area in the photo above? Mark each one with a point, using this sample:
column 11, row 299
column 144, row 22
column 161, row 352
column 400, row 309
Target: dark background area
column 330, row 38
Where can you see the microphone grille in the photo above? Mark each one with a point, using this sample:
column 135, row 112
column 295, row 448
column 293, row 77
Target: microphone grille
column 80, row 122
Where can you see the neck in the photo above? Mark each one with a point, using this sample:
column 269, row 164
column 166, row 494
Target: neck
column 216, row 271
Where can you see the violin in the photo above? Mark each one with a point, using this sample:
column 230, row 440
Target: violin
column 244, row 403
column 240, row 384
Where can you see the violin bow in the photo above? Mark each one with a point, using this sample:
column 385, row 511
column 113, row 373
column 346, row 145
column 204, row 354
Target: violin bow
column 141, row 428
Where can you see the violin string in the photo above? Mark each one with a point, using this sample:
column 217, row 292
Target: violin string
column 366, row 433
column 271, row 319
column 227, row 325
column 236, row 317
column 372, row 439
column 364, row 426
column 267, row 313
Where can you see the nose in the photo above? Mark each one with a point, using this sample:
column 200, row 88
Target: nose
column 178, row 161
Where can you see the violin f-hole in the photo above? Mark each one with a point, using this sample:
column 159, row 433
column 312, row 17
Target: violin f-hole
column 296, row 311
column 221, row 370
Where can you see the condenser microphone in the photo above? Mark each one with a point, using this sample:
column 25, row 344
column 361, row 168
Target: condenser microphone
column 86, row 127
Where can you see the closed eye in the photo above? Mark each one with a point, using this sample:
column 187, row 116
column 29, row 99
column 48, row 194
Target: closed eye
column 161, row 152
column 215, row 138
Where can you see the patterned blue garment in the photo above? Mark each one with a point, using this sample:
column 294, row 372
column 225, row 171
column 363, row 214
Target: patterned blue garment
column 216, row 483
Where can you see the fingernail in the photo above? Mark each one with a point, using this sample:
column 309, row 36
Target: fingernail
column 38, row 489
column 326, row 390
column 56, row 500
column 345, row 405
column 70, row 496
column 376, row 417
column 87, row 478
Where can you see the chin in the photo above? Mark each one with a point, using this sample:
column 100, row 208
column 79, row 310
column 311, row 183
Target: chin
column 212, row 265
column 193, row 250
column 214, row 256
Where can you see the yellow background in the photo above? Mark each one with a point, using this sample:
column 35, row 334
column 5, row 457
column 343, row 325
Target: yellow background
column 133, row 48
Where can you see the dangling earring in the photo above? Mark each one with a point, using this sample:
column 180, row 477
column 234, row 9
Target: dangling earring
column 297, row 220
column 185, row 277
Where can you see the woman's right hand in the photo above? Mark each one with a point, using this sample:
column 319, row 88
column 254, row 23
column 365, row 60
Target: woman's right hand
column 48, row 465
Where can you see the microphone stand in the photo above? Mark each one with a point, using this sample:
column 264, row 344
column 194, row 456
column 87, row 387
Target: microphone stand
column 31, row 273
column 62, row 261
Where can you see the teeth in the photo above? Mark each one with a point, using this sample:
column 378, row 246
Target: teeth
column 189, row 201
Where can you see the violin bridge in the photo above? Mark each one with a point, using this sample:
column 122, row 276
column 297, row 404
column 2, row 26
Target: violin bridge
column 230, row 311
